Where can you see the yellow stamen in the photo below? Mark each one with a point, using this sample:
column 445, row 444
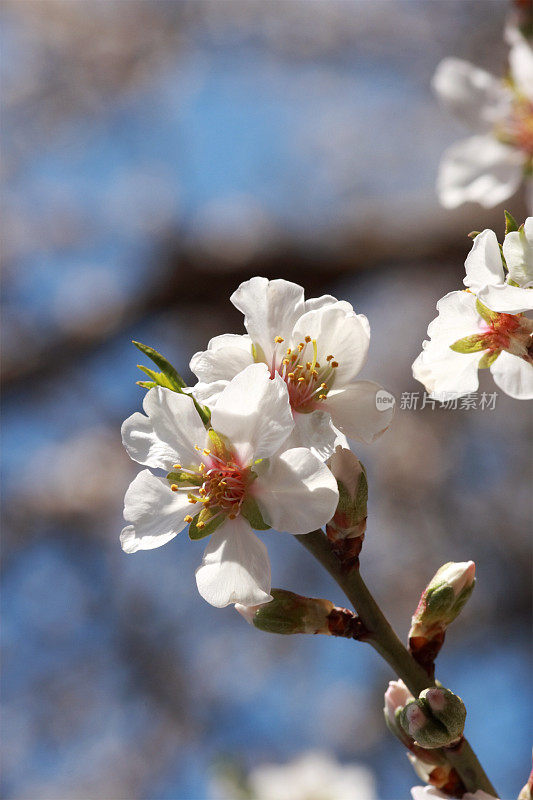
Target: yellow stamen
column 301, row 380
column 307, row 339
column 328, row 358
column 301, row 346
column 200, row 525
column 187, row 518
column 334, row 364
column 321, row 396
column 176, row 466
column 206, row 452
column 278, row 339
column 174, row 487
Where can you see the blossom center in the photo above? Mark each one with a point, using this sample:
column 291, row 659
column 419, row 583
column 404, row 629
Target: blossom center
column 518, row 131
column 308, row 381
column 219, row 483
column 511, row 332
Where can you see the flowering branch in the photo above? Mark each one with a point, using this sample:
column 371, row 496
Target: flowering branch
column 384, row 640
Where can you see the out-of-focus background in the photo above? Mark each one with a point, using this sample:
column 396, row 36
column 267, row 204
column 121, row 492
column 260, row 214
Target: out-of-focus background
column 156, row 154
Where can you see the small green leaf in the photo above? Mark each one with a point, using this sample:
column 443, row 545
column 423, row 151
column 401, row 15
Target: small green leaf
column 165, row 366
column 470, row 344
column 146, row 384
column 486, row 313
column 510, row 223
column 487, row 359
column 210, row 523
column 159, row 379
column 250, row 511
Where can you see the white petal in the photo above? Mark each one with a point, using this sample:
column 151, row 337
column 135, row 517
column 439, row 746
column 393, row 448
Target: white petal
column 235, row 567
column 484, row 262
column 425, row 792
column 167, row 434
column 317, row 432
column 319, row 302
column 479, row 170
column 521, row 64
column 513, row 375
column 471, row 94
column 510, row 299
column 224, row 358
column 356, row 412
column 254, row 413
column 297, row 493
column 518, row 252
column 457, row 318
column 155, row 513
column 270, row 309
column 338, row 332
column 208, row 393
column 445, row 373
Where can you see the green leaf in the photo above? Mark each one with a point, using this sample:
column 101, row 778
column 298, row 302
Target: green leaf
column 486, row 313
column 250, row 511
column 205, row 517
column 470, row 344
column 158, row 378
column 510, row 223
column 165, row 366
column 488, row 359
column 146, row 384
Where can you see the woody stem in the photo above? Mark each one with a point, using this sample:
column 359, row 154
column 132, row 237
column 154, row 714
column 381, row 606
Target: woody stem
column 384, row 640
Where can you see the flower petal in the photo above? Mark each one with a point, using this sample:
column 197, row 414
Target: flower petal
column 297, row 493
column 457, row 318
column 235, row 567
column 356, row 412
column 445, row 373
column 484, row 262
column 270, row 309
column 510, row 299
column 254, row 413
column 208, row 393
column 513, row 375
column 155, row 513
column 224, row 358
column 317, row 432
column 338, row 332
column 167, row 434
column 518, row 252
column 479, row 170
column 473, row 95
column 425, row 792
column 521, row 64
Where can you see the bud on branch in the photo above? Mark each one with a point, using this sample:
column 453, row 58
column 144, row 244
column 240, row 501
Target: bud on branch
column 346, row 530
column 440, row 603
column 436, row 719
column 289, row 613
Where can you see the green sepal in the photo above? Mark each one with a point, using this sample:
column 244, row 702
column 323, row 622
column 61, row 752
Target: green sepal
column 146, row 384
column 176, row 382
column 470, row 344
column 488, row 359
column 473, row 234
column 250, row 512
column 486, row 313
column 258, row 353
column 210, row 525
column 510, row 223
column 219, row 444
column 185, row 478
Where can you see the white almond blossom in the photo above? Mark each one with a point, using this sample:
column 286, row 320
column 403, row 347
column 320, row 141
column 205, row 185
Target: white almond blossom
column 488, row 167
column 222, row 481
column 425, row 792
column 484, row 326
column 316, row 346
column 312, row 776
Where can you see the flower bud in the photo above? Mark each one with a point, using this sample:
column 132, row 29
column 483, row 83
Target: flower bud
column 436, row 719
column 349, row 520
column 439, row 605
column 396, row 697
column 438, row 772
column 289, row 613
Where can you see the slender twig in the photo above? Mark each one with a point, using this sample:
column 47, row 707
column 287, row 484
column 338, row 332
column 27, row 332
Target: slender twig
column 383, row 639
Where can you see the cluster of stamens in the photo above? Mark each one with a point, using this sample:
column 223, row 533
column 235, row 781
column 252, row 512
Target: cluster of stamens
column 518, row 131
column 307, row 380
column 508, row 332
column 218, row 484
